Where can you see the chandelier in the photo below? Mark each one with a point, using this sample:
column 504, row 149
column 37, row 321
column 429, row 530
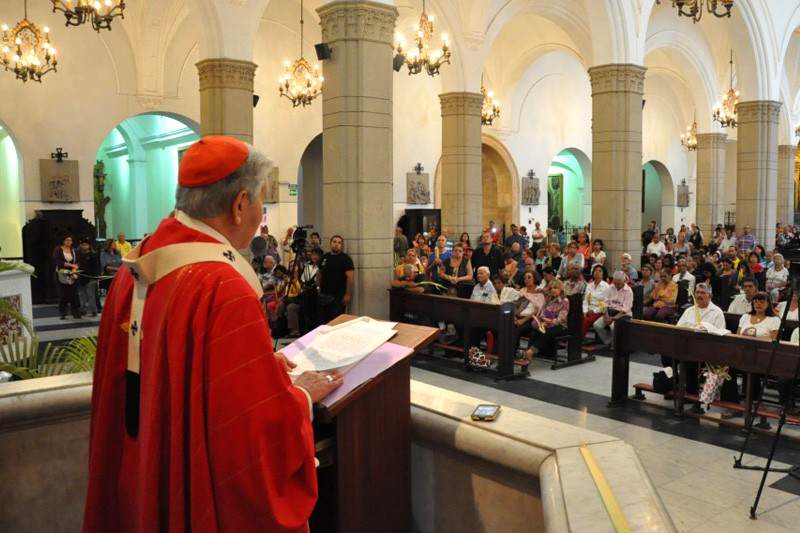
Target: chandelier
column 301, row 82
column 725, row 112
column 420, row 56
column 490, row 109
column 689, row 139
column 26, row 50
column 694, row 8
column 100, row 14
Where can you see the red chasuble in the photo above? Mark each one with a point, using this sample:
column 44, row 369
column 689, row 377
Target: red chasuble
column 225, row 441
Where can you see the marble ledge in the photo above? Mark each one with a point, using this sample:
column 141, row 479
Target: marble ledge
column 549, row 452
column 33, row 402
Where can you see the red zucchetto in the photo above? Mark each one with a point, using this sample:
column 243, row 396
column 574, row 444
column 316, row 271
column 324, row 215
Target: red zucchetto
column 210, row 160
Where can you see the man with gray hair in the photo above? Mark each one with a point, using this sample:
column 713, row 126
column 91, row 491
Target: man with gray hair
column 704, row 312
column 195, row 421
column 619, row 301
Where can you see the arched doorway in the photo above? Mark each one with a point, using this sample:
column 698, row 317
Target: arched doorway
column 658, row 196
column 569, row 190
column 500, row 183
column 309, row 185
column 140, row 157
column 11, row 210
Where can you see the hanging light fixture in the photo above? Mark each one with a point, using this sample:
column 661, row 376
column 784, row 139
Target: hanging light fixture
column 100, row 14
column 301, row 82
column 490, row 109
column 689, row 139
column 694, row 8
column 420, row 56
column 725, row 112
column 26, row 50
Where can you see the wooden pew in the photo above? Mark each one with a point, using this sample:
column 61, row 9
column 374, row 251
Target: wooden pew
column 467, row 314
column 747, row 354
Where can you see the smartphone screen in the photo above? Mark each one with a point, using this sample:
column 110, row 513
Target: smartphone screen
column 485, row 412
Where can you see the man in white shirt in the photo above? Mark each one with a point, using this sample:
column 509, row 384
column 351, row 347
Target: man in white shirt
column 704, row 310
column 684, row 274
column 656, row 246
column 484, row 290
column 741, row 303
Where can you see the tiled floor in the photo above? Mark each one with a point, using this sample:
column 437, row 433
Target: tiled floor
column 695, row 479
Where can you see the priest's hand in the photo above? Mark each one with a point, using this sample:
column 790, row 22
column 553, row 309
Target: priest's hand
column 318, row 384
column 285, row 363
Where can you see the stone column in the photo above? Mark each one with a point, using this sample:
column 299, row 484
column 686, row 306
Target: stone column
column 357, row 143
column 786, row 162
column 757, row 169
column 617, row 91
column 226, row 97
column 710, row 181
column 462, row 179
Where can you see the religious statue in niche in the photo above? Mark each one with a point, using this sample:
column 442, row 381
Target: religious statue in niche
column 683, row 194
column 100, row 198
column 417, row 189
column 530, row 189
column 59, row 180
column 273, row 186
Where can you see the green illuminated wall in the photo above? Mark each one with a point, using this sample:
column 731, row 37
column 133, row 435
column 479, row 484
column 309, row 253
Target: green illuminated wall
column 652, row 197
column 141, row 158
column 10, row 207
column 574, row 188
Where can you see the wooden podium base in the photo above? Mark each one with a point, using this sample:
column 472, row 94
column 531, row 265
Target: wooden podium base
column 364, row 445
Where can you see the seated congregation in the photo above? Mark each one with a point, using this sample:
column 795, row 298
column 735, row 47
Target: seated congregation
column 564, row 299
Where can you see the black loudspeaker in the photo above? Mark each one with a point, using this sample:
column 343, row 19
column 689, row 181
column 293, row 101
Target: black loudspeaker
column 398, row 62
column 323, row 51
column 256, row 98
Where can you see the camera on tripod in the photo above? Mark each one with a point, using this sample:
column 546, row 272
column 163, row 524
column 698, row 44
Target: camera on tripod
column 300, row 239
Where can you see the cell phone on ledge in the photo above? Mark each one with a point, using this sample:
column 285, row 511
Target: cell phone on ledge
column 486, row 412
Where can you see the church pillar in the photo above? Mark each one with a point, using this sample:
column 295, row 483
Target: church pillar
column 786, row 162
column 757, row 169
column 357, row 143
column 226, row 97
column 617, row 158
column 462, row 180
column 710, row 181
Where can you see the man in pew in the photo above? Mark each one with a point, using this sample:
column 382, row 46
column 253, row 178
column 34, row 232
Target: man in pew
column 703, row 312
column 484, row 291
column 410, row 280
column 619, row 301
column 684, row 274
column 741, row 304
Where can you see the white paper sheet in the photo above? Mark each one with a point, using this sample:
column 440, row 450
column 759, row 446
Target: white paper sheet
column 340, row 347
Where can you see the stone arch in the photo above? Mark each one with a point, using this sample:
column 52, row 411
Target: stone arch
column 666, row 213
column 12, row 214
column 309, row 184
column 494, row 145
column 575, row 167
column 141, row 156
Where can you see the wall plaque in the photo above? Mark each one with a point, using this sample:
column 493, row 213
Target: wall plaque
column 273, row 185
column 59, row 180
column 417, row 189
column 530, row 189
column 683, row 195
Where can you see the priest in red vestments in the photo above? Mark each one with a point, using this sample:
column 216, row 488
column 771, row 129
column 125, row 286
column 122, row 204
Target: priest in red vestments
column 196, row 425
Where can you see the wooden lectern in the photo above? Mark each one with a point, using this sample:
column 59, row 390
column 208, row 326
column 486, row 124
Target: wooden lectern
column 364, row 447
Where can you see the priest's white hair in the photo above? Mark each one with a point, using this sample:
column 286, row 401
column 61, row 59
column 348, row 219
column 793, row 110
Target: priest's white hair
column 215, row 199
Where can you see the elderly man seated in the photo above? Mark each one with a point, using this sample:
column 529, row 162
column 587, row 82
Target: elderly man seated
column 618, row 304
column 484, row 291
column 704, row 315
column 684, row 274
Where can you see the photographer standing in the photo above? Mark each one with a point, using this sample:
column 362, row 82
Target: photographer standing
column 335, row 281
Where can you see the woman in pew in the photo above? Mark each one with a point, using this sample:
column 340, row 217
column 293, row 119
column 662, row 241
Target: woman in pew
column 594, row 298
column 530, row 301
column 550, row 322
column 793, row 309
column 455, row 269
column 648, row 283
column 663, row 296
